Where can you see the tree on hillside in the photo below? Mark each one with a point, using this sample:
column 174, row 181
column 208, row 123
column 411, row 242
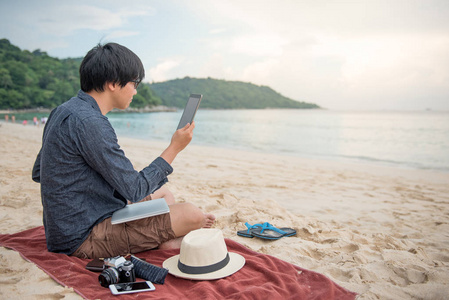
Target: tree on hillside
column 222, row 94
column 35, row 79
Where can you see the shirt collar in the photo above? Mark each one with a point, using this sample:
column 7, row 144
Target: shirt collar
column 89, row 99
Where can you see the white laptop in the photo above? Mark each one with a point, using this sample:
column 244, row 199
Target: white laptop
column 140, row 210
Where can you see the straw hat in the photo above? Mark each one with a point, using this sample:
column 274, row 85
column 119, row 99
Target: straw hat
column 204, row 256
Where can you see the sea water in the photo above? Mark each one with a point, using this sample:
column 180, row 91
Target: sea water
column 403, row 139
column 406, row 139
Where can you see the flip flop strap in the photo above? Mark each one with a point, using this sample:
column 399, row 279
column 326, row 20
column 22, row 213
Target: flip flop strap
column 252, row 226
column 267, row 225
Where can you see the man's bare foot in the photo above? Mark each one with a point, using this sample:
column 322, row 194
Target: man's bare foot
column 208, row 221
column 171, row 244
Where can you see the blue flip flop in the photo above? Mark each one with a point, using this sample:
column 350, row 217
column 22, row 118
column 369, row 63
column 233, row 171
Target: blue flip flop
column 266, row 231
column 247, row 233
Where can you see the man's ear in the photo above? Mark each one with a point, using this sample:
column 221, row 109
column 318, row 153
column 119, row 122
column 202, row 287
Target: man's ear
column 112, row 86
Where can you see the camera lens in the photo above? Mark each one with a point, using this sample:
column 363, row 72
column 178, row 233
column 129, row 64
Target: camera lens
column 108, row 277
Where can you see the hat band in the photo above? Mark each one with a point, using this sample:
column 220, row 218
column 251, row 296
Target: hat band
column 203, row 269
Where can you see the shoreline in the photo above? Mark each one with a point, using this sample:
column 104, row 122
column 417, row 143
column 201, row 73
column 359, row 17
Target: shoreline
column 397, row 156
column 159, row 108
column 379, row 231
column 356, row 162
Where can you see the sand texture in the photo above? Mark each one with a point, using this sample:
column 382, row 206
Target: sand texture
column 379, row 231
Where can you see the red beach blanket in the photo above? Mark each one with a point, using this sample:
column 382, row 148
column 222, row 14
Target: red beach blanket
column 262, row 277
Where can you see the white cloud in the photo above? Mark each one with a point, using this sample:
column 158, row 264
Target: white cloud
column 217, row 30
column 261, row 72
column 367, row 53
column 63, row 19
column 259, row 45
column 162, row 70
column 121, row 33
column 401, row 62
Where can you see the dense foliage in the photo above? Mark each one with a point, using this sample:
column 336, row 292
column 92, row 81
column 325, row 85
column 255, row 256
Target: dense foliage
column 34, row 79
column 223, row 94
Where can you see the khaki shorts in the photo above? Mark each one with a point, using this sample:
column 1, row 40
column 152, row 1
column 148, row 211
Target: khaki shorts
column 107, row 240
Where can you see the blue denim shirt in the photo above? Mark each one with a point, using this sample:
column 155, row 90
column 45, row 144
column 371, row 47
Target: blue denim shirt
column 84, row 175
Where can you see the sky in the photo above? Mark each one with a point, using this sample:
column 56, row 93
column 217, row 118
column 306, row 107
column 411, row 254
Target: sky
column 341, row 55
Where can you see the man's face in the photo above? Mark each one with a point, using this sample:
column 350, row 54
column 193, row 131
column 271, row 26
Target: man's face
column 124, row 95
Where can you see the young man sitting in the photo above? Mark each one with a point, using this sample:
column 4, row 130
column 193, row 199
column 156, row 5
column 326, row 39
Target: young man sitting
column 85, row 176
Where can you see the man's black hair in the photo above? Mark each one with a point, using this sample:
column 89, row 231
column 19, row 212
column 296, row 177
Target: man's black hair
column 109, row 63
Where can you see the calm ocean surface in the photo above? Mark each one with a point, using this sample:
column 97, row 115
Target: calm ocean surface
column 405, row 139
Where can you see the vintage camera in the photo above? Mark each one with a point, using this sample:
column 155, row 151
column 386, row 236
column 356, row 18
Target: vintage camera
column 117, row 269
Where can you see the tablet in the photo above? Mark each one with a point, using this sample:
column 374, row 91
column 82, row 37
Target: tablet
column 190, row 110
column 140, row 210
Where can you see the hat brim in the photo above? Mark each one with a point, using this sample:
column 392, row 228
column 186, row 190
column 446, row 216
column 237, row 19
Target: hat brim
column 236, row 262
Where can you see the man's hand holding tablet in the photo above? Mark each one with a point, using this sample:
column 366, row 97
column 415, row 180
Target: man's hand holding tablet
column 184, row 134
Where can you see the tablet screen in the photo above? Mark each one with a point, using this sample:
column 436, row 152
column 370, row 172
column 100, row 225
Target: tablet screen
column 190, row 110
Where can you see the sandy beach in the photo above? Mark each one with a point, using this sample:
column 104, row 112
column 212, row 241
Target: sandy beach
column 379, row 231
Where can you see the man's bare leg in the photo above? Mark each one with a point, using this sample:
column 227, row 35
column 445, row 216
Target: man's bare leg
column 164, row 192
column 171, row 244
column 186, row 217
